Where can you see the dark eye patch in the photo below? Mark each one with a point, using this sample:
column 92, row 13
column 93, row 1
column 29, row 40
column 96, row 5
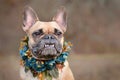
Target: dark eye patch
column 37, row 33
column 57, row 32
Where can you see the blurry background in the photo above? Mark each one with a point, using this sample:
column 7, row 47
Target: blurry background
column 93, row 28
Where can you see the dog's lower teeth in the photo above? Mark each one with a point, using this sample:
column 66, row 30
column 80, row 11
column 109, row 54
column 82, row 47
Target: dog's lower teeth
column 49, row 45
column 52, row 45
column 46, row 45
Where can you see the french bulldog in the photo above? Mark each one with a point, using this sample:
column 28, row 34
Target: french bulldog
column 45, row 40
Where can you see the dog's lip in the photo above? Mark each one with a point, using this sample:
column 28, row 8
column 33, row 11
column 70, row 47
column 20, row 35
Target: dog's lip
column 49, row 58
column 42, row 58
column 47, row 46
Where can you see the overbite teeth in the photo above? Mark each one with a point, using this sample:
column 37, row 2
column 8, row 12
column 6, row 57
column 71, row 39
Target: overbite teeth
column 47, row 45
column 52, row 45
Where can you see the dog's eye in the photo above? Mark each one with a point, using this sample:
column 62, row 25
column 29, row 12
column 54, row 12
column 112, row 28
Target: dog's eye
column 38, row 33
column 57, row 32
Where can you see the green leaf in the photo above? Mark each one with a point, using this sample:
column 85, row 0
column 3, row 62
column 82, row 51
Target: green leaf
column 54, row 73
column 26, row 69
column 47, row 76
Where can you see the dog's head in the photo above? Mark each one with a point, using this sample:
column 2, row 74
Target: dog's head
column 45, row 38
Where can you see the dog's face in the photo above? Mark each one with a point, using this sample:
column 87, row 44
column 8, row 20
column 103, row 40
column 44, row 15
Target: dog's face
column 45, row 38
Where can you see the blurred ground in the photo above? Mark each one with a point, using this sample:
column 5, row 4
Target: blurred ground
column 84, row 67
column 95, row 67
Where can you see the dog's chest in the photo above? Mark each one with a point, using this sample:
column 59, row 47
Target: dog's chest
column 29, row 76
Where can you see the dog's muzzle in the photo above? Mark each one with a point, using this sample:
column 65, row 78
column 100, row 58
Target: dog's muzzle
column 47, row 47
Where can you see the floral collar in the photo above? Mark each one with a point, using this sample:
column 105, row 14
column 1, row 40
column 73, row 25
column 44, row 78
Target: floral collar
column 47, row 68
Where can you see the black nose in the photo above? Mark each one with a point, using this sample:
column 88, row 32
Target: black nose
column 49, row 37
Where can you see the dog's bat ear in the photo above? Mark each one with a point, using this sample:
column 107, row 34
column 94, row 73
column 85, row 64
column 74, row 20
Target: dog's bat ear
column 29, row 18
column 61, row 18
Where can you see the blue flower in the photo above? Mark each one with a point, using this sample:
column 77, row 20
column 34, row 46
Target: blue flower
column 31, row 62
column 21, row 53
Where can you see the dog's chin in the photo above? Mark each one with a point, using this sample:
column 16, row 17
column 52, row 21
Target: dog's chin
column 47, row 53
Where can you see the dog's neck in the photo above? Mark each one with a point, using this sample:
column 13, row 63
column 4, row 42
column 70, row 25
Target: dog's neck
column 48, row 68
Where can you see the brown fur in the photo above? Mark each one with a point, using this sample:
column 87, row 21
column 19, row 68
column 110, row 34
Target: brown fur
column 48, row 28
column 31, row 24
